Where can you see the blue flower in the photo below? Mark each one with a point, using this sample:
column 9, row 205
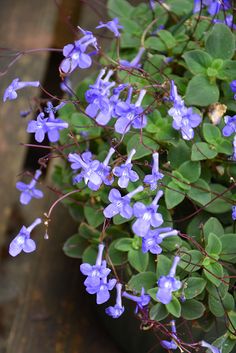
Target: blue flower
column 11, row 94
column 23, row 242
column 120, row 204
column 112, row 25
column 213, row 6
column 104, row 170
column 147, row 216
column 171, row 344
column 228, row 21
column 151, row 241
column 117, row 310
column 125, row 173
column 230, row 125
column 141, row 301
column 129, row 114
column 135, row 63
column 28, row 190
column 95, row 272
column 184, row 119
column 213, row 349
column 168, row 284
column 233, row 87
column 75, row 55
column 152, row 179
column 102, row 290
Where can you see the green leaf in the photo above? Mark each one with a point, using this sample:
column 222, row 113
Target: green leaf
column 214, row 245
column 138, row 260
column 163, row 265
column 219, row 205
column 200, row 91
column 179, row 180
column 180, row 7
column 174, row 307
column 224, row 343
column 120, row 8
column 218, row 306
column 94, row 215
column 179, row 154
column 228, row 252
column 155, row 43
column 124, row 244
column 167, row 38
column 213, row 225
column 158, row 312
column 214, row 273
column 145, row 279
column 191, row 260
column 197, row 61
column 118, row 219
column 190, row 170
column 227, row 71
column 90, row 255
column 194, row 286
column 211, row 134
column 220, row 42
column 117, row 257
column 201, row 151
column 199, row 195
column 173, row 195
column 88, row 232
column 171, row 243
column 192, row 309
column 75, row 246
column 232, row 324
column 141, row 150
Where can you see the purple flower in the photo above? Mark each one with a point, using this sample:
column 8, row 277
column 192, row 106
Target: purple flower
column 98, row 98
column 155, row 237
column 213, row 6
column 117, row 310
column 147, row 216
column 233, row 87
column 104, row 170
column 135, row 63
column 112, row 25
column 168, row 284
column 66, row 86
column 120, row 204
column 75, row 54
column 23, row 242
column 28, row 190
column 96, row 272
column 49, row 125
column 125, row 173
column 230, row 125
column 228, row 21
column 184, row 119
column 171, row 344
column 11, row 94
column 141, row 301
column 130, row 114
column 213, row 349
column 102, row 290
column 89, row 169
column 153, row 178
column 234, row 149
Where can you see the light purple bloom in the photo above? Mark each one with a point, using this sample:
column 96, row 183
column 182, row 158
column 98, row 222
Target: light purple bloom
column 102, row 290
column 171, row 344
column 155, row 237
column 213, row 6
column 104, row 170
column 120, row 204
column 112, row 25
column 141, row 301
column 168, row 284
column 233, row 87
column 230, row 125
column 28, row 191
column 75, row 54
column 23, row 242
column 152, row 179
column 147, row 216
column 184, row 119
column 213, row 349
column 66, row 86
column 125, row 173
column 11, row 94
column 117, row 310
column 135, row 63
column 95, row 272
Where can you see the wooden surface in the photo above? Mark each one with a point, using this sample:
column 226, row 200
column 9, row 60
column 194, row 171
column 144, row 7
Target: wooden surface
column 42, row 299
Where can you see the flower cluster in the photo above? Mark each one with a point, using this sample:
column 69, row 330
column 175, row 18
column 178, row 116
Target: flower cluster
column 184, row 119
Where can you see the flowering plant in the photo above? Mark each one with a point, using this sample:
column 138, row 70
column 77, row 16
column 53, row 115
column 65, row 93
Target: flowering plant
column 149, row 149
